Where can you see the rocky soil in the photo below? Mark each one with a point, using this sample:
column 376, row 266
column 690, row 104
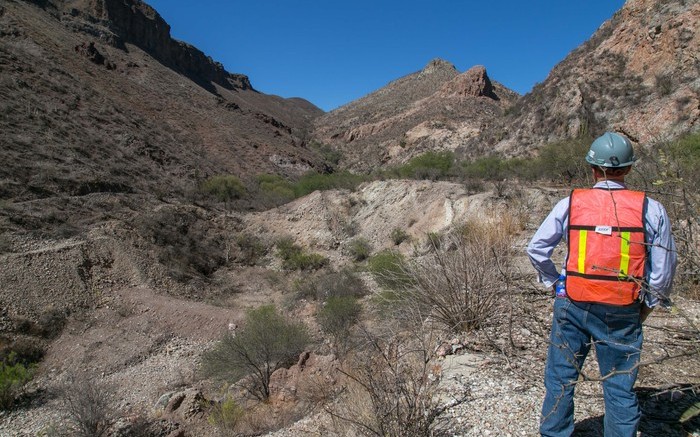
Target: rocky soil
column 142, row 334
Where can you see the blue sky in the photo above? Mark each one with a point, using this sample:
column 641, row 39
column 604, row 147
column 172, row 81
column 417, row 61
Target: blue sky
column 332, row 52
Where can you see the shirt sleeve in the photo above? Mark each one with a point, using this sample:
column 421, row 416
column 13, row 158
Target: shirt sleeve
column 662, row 255
column 544, row 241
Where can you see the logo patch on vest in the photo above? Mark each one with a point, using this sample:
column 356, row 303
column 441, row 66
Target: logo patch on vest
column 604, row 230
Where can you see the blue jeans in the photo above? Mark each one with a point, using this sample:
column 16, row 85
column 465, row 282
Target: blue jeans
column 616, row 333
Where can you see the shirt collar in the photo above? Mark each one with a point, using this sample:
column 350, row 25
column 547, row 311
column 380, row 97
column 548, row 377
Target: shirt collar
column 612, row 185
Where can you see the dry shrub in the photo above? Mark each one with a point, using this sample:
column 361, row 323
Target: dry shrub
column 668, row 173
column 344, row 283
column 86, row 402
column 391, row 388
column 460, row 283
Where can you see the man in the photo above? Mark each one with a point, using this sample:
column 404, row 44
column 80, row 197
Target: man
column 620, row 265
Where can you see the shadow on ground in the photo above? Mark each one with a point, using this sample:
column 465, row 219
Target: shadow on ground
column 662, row 411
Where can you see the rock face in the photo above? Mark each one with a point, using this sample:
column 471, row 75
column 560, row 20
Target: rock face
column 638, row 74
column 133, row 21
column 472, row 83
column 436, row 108
column 98, row 98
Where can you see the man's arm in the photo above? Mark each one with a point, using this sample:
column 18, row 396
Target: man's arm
column 545, row 240
column 662, row 255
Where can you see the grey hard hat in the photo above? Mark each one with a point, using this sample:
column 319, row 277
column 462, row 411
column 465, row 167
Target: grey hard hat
column 611, row 150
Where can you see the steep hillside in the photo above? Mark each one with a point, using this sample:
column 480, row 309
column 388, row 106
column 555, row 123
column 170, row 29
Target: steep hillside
column 638, row 74
column 436, row 108
column 96, row 97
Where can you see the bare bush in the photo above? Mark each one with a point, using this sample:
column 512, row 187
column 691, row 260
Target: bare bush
column 392, row 388
column 669, row 174
column 344, row 283
column 460, row 283
column 86, row 402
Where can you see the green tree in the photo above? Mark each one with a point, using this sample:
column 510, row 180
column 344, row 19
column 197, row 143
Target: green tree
column 267, row 342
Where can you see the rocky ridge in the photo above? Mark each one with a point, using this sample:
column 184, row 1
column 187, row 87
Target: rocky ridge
column 638, row 74
column 436, row 108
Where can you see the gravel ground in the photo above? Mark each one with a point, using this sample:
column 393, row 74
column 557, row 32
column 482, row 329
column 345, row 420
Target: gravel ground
column 505, row 390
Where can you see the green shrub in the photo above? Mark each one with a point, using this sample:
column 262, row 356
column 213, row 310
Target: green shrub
column 344, row 283
column 251, row 248
column 328, row 153
column 224, row 188
column 487, row 168
column 305, row 261
column 13, row 376
column 275, row 188
column 313, row 181
column 398, row 236
column 295, row 258
column 278, row 190
column 685, row 155
column 430, row 165
column 359, row 249
column 389, row 269
column 565, row 161
column 267, row 342
column 337, row 316
column 226, row 415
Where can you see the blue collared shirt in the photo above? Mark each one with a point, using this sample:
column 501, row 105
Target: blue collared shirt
column 661, row 252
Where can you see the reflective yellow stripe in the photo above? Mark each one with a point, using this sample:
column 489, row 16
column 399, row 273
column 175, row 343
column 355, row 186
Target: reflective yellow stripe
column 582, row 235
column 624, row 253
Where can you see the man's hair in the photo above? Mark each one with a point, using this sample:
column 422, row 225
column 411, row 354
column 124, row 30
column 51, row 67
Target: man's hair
column 614, row 172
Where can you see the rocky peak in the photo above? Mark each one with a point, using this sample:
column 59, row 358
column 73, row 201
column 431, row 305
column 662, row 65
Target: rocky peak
column 119, row 22
column 472, row 83
column 438, row 65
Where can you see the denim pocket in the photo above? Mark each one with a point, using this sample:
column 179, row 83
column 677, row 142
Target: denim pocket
column 623, row 328
column 561, row 307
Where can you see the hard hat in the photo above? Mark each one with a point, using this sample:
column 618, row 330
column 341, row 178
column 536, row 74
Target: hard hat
column 611, row 150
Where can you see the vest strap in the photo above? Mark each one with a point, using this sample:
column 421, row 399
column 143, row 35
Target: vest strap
column 604, row 278
column 614, row 228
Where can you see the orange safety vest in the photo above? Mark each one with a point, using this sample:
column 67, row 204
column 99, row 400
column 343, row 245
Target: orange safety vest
column 607, row 251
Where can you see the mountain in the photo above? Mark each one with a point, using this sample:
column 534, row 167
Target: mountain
column 638, row 74
column 97, row 97
column 114, row 269
column 436, row 108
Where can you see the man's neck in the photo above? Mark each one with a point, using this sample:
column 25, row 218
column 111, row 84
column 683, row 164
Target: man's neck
column 619, row 179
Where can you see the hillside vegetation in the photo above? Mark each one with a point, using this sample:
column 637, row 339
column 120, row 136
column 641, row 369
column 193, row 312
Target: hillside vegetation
column 181, row 254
